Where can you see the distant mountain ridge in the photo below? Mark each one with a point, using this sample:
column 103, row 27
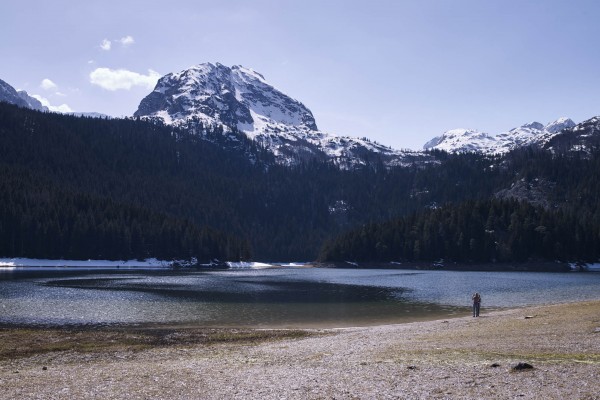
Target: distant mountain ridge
column 239, row 101
column 239, row 98
column 471, row 140
column 21, row 98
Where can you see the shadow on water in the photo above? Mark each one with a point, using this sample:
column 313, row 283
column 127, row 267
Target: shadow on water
column 244, row 291
column 252, row 301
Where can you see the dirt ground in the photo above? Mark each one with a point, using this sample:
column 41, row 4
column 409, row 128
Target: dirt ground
column 461, row 358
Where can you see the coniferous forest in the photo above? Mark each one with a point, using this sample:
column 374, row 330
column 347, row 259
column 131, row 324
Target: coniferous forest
column 76, row 187
column 473, row 231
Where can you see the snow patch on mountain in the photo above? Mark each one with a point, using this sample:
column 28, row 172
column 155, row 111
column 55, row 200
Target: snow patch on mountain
column 462, row 140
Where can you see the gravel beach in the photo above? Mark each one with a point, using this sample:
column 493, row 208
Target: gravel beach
column 460, row 358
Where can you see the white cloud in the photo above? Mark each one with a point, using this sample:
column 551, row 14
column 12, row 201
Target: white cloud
column 105, row 45
column 63, row 108
column 127, row 40
column 47, row 84
column 115, row 79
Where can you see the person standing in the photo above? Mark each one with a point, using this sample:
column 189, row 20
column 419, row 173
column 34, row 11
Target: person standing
column 476, row 304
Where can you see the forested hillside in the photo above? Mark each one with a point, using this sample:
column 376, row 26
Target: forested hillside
column 474, row 231
column 83, row 187
column 88, row 188
column 553, row 215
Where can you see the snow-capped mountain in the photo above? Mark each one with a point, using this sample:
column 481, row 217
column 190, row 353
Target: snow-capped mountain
column 468, row 140
column 239, row 98
column 559, row 125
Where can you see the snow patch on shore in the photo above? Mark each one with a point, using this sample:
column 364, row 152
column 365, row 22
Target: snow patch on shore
column 248, row 265
column 12, row 263
column 585, row 267
column 33, row 262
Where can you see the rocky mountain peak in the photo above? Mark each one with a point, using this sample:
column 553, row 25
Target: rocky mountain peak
column 531, row 125
column 236, row 97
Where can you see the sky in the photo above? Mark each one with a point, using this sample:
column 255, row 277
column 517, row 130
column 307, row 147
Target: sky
column 396, row 71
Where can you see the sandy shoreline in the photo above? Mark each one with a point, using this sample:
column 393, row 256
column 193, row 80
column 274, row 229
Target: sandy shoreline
column 443, row 359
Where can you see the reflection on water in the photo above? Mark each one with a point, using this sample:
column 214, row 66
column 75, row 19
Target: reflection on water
column 271, row 298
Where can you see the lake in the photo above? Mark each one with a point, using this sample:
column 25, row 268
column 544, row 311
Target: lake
column 280, row 297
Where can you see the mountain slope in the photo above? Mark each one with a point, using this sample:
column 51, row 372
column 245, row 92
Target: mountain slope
column 8, row 94
column 19, row 98
column 32, row 102
column 583, row 138
column 240, row 99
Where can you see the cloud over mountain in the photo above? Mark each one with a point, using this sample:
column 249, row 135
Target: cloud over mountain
column 63, row 108
column 122, row 79
column 47, row 84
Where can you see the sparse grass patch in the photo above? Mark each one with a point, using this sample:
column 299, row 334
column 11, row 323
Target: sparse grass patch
column 25, row 342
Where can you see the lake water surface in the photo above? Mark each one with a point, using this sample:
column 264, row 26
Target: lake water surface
column 283, row 297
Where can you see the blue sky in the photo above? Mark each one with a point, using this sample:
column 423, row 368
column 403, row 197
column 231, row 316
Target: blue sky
column 398, row 72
